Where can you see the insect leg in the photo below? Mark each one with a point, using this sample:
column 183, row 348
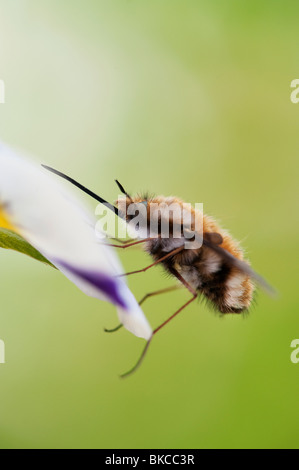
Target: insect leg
column 139, row 360
column 113, row 329
column 123, row 242
column 126, row 244
column 168, row 255
column 150, row 294
column 162, row 291
column 194, row 295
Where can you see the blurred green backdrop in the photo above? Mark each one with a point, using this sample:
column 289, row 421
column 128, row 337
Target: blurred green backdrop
column 190, row 98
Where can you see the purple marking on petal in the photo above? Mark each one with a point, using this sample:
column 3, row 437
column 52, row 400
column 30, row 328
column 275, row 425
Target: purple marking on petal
column 107, row 284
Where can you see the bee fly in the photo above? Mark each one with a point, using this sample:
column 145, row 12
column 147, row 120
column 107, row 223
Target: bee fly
column 216, row 270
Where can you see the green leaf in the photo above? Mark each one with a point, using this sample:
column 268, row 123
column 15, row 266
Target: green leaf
column 11, row 241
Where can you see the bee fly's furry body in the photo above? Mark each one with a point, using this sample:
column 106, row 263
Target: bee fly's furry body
column 228, row 289
column 213, row 269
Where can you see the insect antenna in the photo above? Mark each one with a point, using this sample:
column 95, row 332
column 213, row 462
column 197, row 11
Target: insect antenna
column 84, row 189
column 123, row 190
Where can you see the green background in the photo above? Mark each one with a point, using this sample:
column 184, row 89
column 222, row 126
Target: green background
column 186, row 98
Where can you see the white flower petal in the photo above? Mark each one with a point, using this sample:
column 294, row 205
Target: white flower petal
column 56, row 224
column 134, row 320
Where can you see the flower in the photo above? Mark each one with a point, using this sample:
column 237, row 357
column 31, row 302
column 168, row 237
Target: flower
column 36, row 206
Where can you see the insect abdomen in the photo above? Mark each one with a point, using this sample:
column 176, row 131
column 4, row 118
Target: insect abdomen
column 228, row 290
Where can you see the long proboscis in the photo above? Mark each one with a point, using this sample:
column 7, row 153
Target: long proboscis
column 84, row 189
